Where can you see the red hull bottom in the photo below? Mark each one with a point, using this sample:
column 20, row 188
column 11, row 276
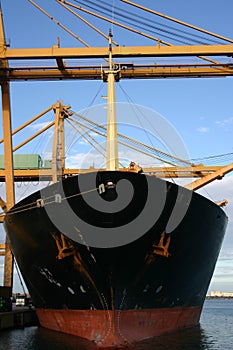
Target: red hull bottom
column 107, row 328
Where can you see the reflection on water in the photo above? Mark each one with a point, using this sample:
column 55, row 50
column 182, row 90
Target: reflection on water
column 34, row 338
column 37, row 338
column 189, row 339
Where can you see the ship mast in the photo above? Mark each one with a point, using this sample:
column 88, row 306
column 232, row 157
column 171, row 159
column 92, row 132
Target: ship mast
column 112, row 162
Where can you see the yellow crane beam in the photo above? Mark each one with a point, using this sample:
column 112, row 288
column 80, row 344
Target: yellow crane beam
column 128, row 71
column 8, row 158
column 218, row 174
column 162, row 172
column 117, row 52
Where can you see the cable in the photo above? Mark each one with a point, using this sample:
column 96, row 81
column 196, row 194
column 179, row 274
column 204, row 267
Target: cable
column 131, row 102
column 160, row 153
column 130, row 21
column 89, row 138
column 144, row 24
column 34, row 205
column 155, row 22
column 215, row 158
column 97, row 93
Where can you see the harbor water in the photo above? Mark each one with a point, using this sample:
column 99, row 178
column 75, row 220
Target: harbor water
column 214, row 333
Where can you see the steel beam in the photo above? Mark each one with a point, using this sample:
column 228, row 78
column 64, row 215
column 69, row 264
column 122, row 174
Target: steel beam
column 163, row 172
column 133, row 72
column 218, row 174
column 56, row 52
column 9, row 176
column 8, row 158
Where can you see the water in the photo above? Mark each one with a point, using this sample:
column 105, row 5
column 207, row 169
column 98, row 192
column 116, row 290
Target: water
column 214, row 333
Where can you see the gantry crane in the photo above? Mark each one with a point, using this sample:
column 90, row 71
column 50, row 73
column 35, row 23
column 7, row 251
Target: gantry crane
column 128, row 70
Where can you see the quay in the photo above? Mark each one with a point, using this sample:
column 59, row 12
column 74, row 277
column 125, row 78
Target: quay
column 18, row 318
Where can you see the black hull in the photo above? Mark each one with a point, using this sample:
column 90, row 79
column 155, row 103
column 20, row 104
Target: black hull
column 154, row 271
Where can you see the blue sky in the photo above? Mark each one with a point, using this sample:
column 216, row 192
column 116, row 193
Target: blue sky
column 201, row 110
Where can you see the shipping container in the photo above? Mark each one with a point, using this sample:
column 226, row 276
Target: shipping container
column 47, row 163
column 24, row 161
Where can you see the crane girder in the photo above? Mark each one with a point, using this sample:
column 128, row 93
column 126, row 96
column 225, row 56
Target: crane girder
column 128, row 71
column 197, row 171
column 56, row 52
column 61, row 70
column 216, row 175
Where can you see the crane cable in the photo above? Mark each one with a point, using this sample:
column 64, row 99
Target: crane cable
column 142, row 23
column 152, row 149
column 34, row 205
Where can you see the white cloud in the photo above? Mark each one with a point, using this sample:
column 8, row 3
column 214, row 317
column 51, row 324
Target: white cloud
column 203, row 129
column 38, row 126
column 225, row 122
column 126, row 155
column 85, row 160
column 227, row 255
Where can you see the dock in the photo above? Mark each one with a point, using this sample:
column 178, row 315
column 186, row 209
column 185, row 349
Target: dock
column 18, row 318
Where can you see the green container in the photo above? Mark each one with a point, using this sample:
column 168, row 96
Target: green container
column 47, row 164
column 24, row 161
column 1, row 162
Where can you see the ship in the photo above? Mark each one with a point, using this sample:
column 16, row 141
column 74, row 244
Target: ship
column 115, row 296
column 116, row 256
